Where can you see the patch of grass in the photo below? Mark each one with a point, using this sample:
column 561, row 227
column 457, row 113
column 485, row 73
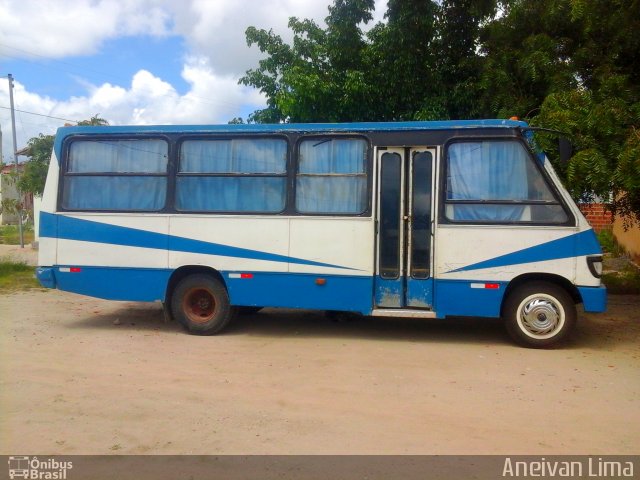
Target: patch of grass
column 9, row 234
column 609, row 244
column 625, row 282
column 16, row 275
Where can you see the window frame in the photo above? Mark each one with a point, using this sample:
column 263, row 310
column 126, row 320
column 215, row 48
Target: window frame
column 444, row 170
column 368, row 162
column 217, row 137
column 65, row 173
column 174, row 142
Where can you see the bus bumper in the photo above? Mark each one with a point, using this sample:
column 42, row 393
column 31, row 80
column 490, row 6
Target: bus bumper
column 46, row 277
column 594, row 299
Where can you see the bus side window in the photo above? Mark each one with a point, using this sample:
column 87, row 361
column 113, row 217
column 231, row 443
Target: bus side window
column 496, row 181
column 332, row 176
column 232, row 175
column 115, row 175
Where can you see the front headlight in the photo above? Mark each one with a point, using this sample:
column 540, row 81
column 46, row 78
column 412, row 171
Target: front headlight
column 595, row 265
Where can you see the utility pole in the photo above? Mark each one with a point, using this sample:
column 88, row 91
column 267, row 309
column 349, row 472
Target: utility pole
column 15, row 158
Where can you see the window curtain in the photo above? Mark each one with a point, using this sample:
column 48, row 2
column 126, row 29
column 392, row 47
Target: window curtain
column 118, row 156
column 234, row 156
column 116, row 192
column 205, row 156
column 487, row 171
column 332, row 176
column 231, row 194
column 242, row 192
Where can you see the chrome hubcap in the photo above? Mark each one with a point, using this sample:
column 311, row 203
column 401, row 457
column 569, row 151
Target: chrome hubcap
column 540, row 316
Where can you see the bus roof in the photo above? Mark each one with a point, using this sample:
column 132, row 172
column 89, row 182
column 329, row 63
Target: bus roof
column 295, row 127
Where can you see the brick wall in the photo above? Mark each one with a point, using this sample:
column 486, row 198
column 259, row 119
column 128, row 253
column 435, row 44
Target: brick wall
column 599, row 218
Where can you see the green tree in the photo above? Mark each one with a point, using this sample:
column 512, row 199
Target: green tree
column 601, row 110
column 526, row 56
column 401, row 62
column 319, row 77
column 408, row 67
column 95, row 121
column 34, row 174
column 457, row 63
column 572, row 65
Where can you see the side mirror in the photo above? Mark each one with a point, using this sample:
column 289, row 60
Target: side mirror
column 565, row 149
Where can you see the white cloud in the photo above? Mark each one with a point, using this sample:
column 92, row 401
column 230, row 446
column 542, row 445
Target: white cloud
column 148, row 100
column 58, row 29
column 216, row 56
column 211, row 28
column 216, row 28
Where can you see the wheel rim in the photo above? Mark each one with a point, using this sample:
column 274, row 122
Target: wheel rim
column 199, row 305
column 541, row 316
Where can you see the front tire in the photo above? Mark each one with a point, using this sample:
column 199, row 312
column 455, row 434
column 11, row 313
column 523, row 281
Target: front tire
column 201, row 304
column 539, row 314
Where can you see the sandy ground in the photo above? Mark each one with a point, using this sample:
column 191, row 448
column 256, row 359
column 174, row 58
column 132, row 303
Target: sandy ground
column 73, row 380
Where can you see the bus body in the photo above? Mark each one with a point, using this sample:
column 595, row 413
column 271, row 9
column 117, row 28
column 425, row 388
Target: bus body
column 413, row 219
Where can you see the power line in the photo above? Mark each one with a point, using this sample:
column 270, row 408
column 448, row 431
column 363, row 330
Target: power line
column 41, row 115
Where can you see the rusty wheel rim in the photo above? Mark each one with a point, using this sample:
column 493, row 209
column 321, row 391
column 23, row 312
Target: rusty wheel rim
column 199, row 305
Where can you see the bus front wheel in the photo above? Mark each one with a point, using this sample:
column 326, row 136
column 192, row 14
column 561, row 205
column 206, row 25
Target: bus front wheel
column 201, row 304
column 539, row 314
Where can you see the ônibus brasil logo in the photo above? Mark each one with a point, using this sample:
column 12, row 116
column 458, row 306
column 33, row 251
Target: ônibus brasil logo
column 33, row 468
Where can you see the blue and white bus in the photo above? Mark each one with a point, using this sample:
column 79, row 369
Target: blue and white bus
column 414, row 219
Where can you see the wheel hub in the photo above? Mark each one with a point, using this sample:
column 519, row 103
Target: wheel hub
column 199, row 305
column 540, row 316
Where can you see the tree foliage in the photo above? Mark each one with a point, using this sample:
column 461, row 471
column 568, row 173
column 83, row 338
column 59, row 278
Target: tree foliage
column 600, row 109
column 572, row 65
column 95, row 121
column 34, row 174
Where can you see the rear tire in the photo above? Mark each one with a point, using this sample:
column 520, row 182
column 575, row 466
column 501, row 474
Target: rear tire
column 200, row 303
column 539, row 314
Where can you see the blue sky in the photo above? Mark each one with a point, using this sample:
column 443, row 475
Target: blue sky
column 134, row 61
column 116, row 62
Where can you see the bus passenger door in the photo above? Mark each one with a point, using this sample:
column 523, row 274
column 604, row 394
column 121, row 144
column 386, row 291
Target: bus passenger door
column 404, row 228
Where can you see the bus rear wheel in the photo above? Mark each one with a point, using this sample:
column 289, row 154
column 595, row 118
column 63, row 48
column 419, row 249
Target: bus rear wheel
column 201, row 304
column 539, row 314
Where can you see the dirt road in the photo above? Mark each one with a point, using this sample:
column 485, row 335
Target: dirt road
column 85, row 376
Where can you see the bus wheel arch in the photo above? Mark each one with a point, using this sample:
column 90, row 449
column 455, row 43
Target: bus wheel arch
column 197, row 298
column 539, row 310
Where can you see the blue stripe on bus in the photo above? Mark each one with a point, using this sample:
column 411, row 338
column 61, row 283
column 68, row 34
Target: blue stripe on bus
column 115, row 283
column 583, row 243
column 594, row 299
column 268, row 289
column 456, row 298
column 69, row 228
column 289, row 290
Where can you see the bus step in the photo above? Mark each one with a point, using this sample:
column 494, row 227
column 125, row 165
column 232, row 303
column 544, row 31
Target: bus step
column 403, row 312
